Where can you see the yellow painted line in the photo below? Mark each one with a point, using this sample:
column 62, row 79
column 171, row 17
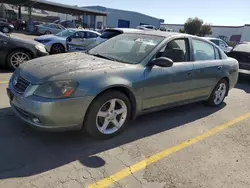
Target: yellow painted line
column 144, row 163
column 4, row 82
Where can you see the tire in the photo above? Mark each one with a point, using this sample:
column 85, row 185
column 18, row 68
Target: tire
column 17, row 57
column 47, row 32
column 221, row 90
column 5, row 30
column 57, row 48
column 103, row 103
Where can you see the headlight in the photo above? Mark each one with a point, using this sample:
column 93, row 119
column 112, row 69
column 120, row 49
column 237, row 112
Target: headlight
column 12, row 26
column 41, row 48
column 55, row 90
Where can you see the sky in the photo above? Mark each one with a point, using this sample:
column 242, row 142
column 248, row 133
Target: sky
column 215, row 12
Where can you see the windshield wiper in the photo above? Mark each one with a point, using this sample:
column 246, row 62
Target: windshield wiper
column 104, row 57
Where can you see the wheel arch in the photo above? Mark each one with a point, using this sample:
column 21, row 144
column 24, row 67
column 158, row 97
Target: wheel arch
column 125, row 90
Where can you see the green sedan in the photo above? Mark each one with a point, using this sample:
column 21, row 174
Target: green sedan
column 121, row 78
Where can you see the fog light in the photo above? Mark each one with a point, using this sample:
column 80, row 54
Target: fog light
column 35, row 120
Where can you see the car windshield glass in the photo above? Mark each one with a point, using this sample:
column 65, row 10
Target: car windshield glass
column 65, row 33
column 242, row 48
column 109, row 34
column 127, row 48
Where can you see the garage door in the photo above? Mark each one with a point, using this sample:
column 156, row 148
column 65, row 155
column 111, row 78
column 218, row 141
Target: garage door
column 123, row 24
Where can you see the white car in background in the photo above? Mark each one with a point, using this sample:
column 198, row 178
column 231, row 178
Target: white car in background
column 146, row 27
column 51, row 28
column 222, row 44
column 68, row 40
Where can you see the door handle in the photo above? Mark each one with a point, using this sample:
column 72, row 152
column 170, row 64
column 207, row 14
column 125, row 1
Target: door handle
column 219, row 67
column 189, row 73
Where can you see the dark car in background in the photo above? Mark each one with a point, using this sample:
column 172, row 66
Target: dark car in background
column 241, row 52
column 6, row 27
column 15, row 51
column 67, row 24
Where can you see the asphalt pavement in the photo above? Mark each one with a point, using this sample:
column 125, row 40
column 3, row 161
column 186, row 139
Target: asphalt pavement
column 191, row 146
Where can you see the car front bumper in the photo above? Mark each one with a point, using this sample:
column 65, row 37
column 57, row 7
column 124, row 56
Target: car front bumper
column 41, row 54
column 49, row 114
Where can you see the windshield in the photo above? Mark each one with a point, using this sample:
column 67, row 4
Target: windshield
column 65, row 33
column 127, row 48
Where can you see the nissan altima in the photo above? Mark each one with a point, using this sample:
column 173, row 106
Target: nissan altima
column 121, row 78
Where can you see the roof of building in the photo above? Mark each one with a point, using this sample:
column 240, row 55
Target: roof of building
column 56, row 7
column 105, row 9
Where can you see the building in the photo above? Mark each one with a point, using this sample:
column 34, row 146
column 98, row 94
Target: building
column 122, row 18
column 234, row 34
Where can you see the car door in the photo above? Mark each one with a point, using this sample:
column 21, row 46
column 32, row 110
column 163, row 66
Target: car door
column 89, row 38
column 207, row 66
column 170, row 85
column 76, row 42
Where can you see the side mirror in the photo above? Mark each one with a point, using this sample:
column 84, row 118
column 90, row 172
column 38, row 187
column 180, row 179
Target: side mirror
column 69, row 39
column 162, row 62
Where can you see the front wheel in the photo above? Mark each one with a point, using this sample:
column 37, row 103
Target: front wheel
column 57, row 49
column 219, row 93
column 16, row 58
column 5, row 30
column 108, row 115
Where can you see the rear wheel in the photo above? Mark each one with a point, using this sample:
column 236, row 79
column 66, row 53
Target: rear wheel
column 57, row 49
column 16, row 58
column 219, row 93
column 108, row 115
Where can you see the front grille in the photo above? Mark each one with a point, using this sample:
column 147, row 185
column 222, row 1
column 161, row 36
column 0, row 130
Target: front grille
column 20, row 84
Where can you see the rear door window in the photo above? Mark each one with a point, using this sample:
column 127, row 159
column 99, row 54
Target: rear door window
column 203, row 51
column 90, row 35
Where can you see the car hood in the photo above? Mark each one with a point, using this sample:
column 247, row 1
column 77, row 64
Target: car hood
column 24, row 41
column 74, row 66
column 49, row 37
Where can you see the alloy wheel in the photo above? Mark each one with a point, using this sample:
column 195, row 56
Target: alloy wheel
column 18, row 58
column 111, row 116
column 6, row 30
column 220, row 93
column 57, row 48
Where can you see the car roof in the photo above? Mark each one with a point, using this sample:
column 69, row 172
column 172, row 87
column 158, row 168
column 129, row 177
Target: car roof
column 157, row 33
column 211, row 38
column 124, row 30
column 78, row 29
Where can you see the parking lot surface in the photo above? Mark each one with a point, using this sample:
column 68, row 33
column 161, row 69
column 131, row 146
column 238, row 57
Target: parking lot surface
column 31, row 158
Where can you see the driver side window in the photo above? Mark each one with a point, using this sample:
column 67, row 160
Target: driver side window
column 176, row 50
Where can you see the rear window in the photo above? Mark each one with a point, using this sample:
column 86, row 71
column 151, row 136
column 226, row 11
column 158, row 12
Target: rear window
column 242, row 48
column 110, row 34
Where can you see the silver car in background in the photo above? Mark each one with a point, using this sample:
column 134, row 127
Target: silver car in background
column 222, row 44
column 49, row 29
column 67, row 40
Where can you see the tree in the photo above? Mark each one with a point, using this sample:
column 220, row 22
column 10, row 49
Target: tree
column 193, row 26
column 205, row 30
